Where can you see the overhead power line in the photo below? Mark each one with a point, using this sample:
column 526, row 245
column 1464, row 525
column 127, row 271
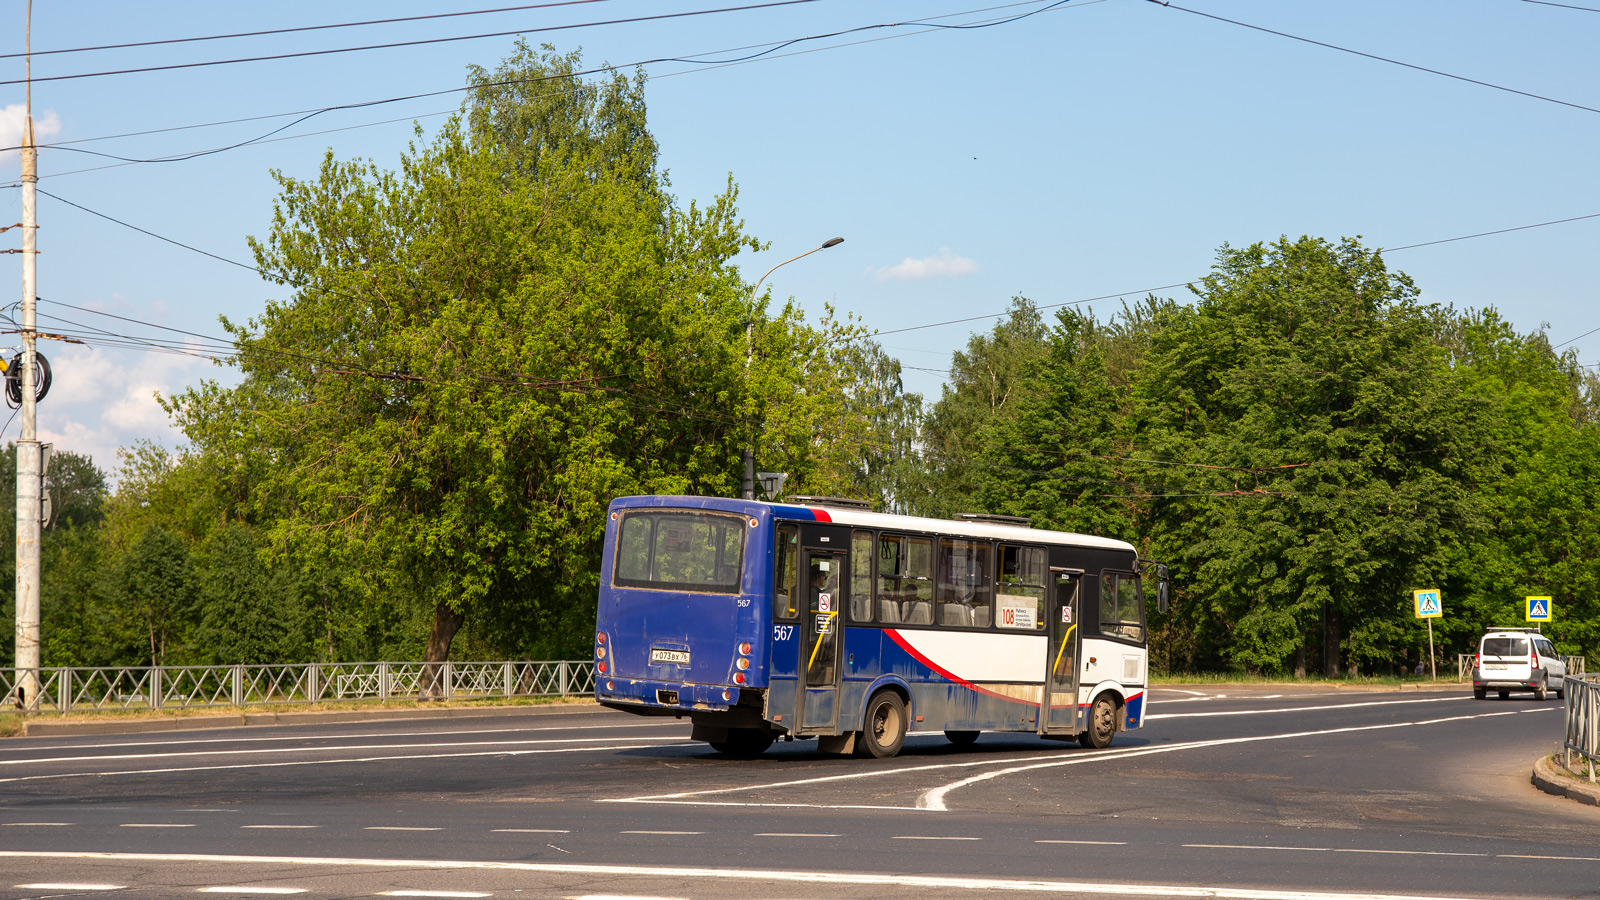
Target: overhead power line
column 1563, row 5
column 1374, row 56
column 412, row 43
column 301, row 28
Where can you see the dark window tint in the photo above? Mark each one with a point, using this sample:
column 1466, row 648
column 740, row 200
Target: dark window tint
column 1505, row 646
column 786, row 573
column 861, row 553
column 1121, row 605
column 677, row 550
column 965, row 596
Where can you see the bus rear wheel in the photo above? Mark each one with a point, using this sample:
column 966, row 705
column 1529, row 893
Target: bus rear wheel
column 1102, row 724
column 744, row 743
column 885, row 731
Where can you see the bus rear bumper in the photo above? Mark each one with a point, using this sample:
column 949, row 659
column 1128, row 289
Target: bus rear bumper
column 646, row 697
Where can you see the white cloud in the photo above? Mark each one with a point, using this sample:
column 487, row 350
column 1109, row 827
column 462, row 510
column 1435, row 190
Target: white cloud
column 45, row 127
column 943, row 264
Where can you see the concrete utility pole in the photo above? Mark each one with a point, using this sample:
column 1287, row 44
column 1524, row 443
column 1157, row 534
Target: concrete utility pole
column 748, row 489
column 28, row 457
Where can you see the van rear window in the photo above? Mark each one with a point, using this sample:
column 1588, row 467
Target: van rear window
column 680, row 550
column 1505, row 646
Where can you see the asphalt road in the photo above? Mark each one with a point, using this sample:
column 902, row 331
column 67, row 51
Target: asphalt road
column 1225, row 792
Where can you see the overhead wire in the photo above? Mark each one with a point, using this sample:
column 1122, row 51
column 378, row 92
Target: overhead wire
column 1378, row 58
column 301, row 54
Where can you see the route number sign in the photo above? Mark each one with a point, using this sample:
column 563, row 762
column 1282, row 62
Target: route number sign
column 1538, row 609
column 1428, row 604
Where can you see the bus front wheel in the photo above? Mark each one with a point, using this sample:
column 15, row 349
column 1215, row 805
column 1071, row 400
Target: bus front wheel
column 885, row 730
column 744, row 743
column 1102, row 724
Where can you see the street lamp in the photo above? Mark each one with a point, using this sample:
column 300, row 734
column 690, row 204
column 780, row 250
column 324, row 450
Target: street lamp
column 749, row 488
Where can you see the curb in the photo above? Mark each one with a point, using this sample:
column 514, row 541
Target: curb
column 1552, row 779
column 269, row 718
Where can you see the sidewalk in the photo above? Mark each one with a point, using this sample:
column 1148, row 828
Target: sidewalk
column 44, row 726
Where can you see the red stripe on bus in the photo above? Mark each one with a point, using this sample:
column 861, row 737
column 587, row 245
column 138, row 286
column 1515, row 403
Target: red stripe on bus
column 822, row 515
column 946, row 673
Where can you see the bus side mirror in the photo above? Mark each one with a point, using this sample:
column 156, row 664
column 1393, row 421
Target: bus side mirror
column 1161, row 588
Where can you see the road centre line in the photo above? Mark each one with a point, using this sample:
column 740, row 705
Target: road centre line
column 330, row 762
column 1331, row 850
column 352, row 736
column 280, row 827
column 1568, row 858
column 398, row 828
column 251, row 890
column 794, row 834
column 934, row 799
column 70, row 886
column 931, row 837
column 35, row 824
column 156, row 825
column 532, row 831
column 661, row 832
column 1035, row 886
column 433, row 894
column 1259, row 712
column 195, row 754
column 1100, row 843
column 1068, row 758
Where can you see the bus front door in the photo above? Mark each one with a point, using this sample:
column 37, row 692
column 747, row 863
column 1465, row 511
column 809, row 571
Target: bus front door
column 1059, row 713
column 821, row 623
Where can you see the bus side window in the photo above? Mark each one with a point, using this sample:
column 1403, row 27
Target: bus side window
column 964, row 591
column 1121, row 605
column 861, row 602
column 786, row 574
column 1021, row 588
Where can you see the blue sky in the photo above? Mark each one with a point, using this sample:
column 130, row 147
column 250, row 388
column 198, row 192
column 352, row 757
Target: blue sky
column 1095, row 149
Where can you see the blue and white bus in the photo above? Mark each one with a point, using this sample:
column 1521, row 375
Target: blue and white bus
column 781, row 621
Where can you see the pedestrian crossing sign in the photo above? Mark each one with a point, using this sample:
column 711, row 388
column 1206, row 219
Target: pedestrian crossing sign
column 1428, row 604
column 1539, row 609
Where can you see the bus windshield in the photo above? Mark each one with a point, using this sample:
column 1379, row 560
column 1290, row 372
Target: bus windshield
column 680, row 550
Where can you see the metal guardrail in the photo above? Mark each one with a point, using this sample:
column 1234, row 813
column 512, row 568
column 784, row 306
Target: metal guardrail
column 1583, row 721
column 1575, row 665
column 190, row 687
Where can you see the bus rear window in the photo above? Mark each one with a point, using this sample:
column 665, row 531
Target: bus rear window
column 677, row 550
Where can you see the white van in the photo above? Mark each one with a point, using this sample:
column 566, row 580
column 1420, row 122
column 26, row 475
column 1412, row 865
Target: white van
column 1517, row 659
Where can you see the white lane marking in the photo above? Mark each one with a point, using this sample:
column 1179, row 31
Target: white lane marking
column 1526, row 856
column 280, row 826
column 334, row 762
column 276, row 750
column 64, row 886
column 398, row 828
column 931, row 837
column 344, row 737
column 661, row 832
column 1260, row 712
column 251, row 890
column 1255, row 847
column 1200, row 694
column 33, row 824
column 157, row 825
column 533, row 830
column 620, row 897
column 1105, row 843
column 433, row 894
column 1117, row 888
column 791, row 834
column 934, row 799
column 1406, row 852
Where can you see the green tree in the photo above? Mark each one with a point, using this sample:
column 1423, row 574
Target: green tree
column 156, row 594
column 1344, row 452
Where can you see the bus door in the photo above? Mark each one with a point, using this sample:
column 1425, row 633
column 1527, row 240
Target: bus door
column 1059, row 705
column 821, row 627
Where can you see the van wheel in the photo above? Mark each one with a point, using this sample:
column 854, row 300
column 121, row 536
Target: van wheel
column 1479, row 693
column 1102, row 724
column 885, row 731
column 1543, row 690
column 1561, row 692
column 961, row 738
column 744, row 743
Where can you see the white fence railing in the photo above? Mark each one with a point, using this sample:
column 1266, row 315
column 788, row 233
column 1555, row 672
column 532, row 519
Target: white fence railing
column 185, row 687
column 1583, row 721
column 1574, row 664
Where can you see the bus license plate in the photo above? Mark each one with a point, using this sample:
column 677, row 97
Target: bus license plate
column 681, row 657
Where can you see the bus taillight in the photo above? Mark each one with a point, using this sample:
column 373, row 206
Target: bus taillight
column 602, row 667
column 738, row 678
column 600, row 638
column 742, row 663
column 744, row 648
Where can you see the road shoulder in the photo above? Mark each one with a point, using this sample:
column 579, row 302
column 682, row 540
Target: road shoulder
column 1552, row 778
